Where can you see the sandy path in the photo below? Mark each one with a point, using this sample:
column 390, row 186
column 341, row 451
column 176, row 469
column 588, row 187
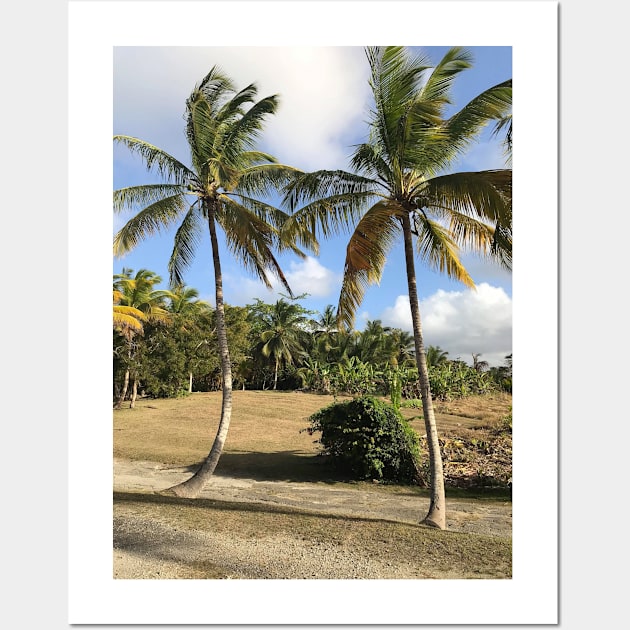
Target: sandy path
column 153, row 550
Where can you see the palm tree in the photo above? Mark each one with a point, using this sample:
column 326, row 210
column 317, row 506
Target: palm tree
column 401, row 185
column 187, row 308
column 282, row 337
column 226, row 181
column 128, row 320
column 133, row 295
column 436, row 356
column 401, row 346
column 479, row 366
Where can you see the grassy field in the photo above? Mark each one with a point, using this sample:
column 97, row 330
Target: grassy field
column 267, row 440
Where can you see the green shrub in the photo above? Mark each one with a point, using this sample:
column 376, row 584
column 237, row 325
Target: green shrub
column 368, row 439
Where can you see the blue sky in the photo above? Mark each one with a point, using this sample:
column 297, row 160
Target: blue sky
column 324, row 101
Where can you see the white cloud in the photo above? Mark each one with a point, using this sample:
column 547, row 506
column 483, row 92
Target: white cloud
column 461, row 322
column 305, row 276
column 309, row 276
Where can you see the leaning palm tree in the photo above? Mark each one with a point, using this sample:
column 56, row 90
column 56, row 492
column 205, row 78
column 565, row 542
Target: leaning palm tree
column 227, row 182
column 401, row 187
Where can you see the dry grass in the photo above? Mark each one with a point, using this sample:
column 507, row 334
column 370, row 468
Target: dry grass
column 266, row 439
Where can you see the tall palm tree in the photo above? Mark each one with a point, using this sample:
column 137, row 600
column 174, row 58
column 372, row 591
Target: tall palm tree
column 227, row 182
column 401, row 187
column 133, row 295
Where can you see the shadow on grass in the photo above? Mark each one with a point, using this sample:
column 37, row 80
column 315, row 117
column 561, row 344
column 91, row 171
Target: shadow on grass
column 277, row 466
column 295, row 466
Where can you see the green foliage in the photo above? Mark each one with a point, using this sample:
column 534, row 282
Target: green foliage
column 368, row 439
column 394, row 378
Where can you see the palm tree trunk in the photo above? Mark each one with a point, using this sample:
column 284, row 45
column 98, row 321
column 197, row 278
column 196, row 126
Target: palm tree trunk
column 436, row 516
column 193, row 486
column 134, row 393
column 275, row 376
column 190, row 382
column 123, row 391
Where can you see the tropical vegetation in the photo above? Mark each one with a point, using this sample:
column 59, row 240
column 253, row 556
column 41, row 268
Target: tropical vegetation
column 401, row 189
column 225, row 186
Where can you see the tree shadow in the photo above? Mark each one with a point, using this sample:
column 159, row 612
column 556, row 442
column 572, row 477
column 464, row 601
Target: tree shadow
column 249, row 506
column 277, row 466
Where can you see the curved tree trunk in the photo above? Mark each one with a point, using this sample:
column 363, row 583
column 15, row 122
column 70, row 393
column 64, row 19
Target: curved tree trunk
column 436, row 516
column 193, row 486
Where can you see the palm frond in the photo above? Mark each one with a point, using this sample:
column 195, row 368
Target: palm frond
column 244, row 133
column 470, row 233
column 127, row 318
column 201, row 131
column 169, row 168
column 438, row 87
column 153, row 219
column 395, row 79
column 485, row 194
column 266, row 179
column 331, row 215
column 187, row 239
column 491, row 105
column 368, row 159
column 233, row 108
column 214, row 86
column 366, row 254
column 142, row 196
column 250, row 239
column 283, row 239
column 308, row 187
column 501, row 247
column 438, row 250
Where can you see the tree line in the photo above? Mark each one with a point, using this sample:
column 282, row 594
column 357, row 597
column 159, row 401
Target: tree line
column 166, row 347
column 399, row 188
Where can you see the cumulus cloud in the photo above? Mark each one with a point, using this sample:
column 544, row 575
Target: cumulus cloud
column 461, row 322
column 310, row 276
column 304, row 276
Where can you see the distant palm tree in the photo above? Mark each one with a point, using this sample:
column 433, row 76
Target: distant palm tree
column 187, row 308
column 283, row 334
column 401, row 346
column 128, row 320
column 133, row 295
column 402, row 187
column 479, row 366
column 185, row 301
column 226, row 180
column 436, row 356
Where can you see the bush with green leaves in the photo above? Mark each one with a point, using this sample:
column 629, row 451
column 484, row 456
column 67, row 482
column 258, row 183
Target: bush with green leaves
column 368, row 439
